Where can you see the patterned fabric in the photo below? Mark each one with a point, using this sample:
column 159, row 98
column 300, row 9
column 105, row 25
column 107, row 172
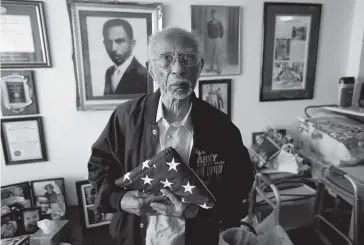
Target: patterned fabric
column 167, row 170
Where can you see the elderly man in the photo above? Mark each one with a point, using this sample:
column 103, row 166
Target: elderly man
column 207, row 140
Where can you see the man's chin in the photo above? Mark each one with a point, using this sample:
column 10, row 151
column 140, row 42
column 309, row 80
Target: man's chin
column 181, row 94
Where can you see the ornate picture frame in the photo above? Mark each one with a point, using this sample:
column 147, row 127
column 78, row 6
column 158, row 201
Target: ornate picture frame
column 111, row 68
column 18, row 93
column 290, row 45
column 24, row 35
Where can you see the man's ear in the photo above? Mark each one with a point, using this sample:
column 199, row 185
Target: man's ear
column 149, row 67
column 202, row 63
column 133, row 43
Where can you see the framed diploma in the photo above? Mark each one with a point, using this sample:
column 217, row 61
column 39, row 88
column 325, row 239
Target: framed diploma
column 291, row 34
column 24, row 36
column 18, row 96
column 23, row 140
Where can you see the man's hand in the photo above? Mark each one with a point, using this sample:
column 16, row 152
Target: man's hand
column 138, row 203
column 174, row 207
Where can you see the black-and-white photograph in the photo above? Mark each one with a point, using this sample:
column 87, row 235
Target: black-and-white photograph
column 9, row 225
column 288, row 75
column 49, row 195
column 217, row 93
column 111, row 51
column 282, row 49
column 28, row 220
column 96, row 218
column 218, row 28
column 299, row 32
column 90, row 217
column 15, row 197
column 18, row 93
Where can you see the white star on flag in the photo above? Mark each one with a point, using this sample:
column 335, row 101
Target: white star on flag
column 172, row 165
column 205, row 206
column 188, row 187
column 145, row 164
column 147, row 180
column 167, row 184
column 126, row 176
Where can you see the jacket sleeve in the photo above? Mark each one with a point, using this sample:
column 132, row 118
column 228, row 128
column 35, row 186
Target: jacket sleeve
column 105, row 166
column 238, row 177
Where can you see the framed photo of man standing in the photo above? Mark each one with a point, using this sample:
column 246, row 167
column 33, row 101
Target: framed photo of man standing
column 110, row 51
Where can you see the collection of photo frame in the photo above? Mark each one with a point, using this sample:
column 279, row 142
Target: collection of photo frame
column 25, row 47
column 24, row 204
column 290, row 44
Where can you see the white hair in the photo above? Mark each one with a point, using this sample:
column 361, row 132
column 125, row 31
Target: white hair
column 173, row 32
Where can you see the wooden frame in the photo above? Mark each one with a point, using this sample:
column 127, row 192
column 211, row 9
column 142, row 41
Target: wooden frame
column 26, row 42
column 86, row 197
column 290, row 46
column 31, row 130
column 52, row 192
column 219, row 87
column 99, row 85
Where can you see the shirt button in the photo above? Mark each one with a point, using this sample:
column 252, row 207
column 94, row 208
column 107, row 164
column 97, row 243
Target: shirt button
column 154, row 132
column 141, row 225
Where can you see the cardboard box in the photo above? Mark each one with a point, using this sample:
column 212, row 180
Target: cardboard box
column 61, row 234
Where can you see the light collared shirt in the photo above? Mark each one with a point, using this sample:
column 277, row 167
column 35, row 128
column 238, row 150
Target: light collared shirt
column 119, row 72
column 163, row 230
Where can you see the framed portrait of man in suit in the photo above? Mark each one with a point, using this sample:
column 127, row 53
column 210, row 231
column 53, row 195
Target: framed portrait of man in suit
column 110, row 51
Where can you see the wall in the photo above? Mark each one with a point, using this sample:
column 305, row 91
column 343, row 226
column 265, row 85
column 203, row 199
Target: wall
column 70, row 134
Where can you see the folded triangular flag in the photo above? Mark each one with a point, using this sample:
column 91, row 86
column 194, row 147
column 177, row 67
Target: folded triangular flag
column 167, row 170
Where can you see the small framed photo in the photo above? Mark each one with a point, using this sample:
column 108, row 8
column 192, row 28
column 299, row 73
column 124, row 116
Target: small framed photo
column 9, row 225
column 18, row 93
column 218, row 28
column 290, row 46
column 108, row 71
column 90, row 217
column 28, row 220
column 217, row 93
column 23, row 140
column 50, row 196
column 15, row 197
column 24, row 35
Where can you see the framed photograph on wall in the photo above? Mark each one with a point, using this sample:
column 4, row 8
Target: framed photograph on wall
column 217, row 93
column 9, row 225
column 110, row 51
column 24, row 42
column 290, row 43
column 18, row 93
column 15, row 197
column 218, row 28
column 50, row 196
column 23, row 140
column 90, row 217
column 28, row 220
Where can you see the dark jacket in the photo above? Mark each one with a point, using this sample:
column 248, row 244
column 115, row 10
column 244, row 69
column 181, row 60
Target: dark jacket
column 215, row 29
column 131, row 137
column 134, row 81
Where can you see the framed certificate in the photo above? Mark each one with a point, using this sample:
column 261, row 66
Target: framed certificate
column 18, row 93
column 24, row 36
column 23, row 140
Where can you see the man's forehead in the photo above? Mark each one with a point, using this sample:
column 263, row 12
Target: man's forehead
column 171, row 46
